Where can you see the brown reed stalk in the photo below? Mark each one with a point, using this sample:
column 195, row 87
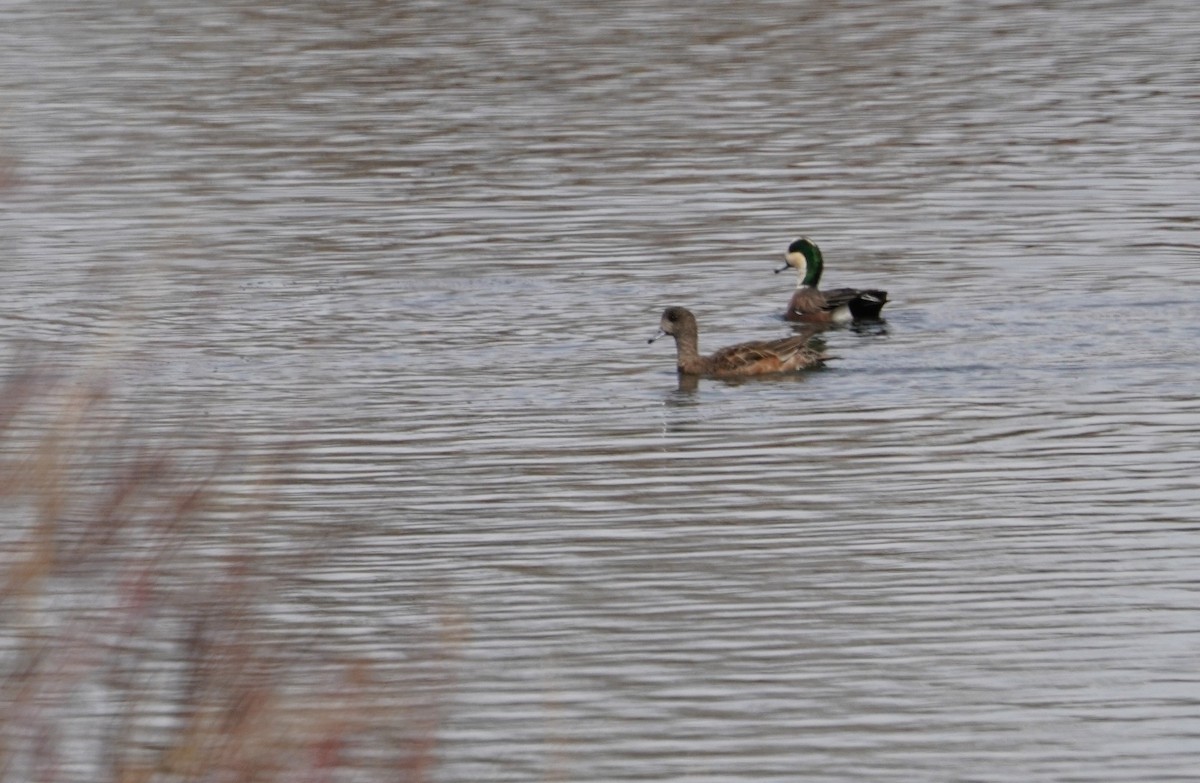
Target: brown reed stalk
column 133, row 641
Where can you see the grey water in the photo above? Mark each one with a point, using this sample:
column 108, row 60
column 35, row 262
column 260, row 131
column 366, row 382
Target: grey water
column 418, row 248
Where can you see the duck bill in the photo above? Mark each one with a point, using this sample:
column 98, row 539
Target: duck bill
column 783, row 268
column 661, row 333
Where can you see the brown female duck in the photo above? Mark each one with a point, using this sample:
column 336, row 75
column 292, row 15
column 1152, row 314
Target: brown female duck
column 841, row 305
column 737, row 361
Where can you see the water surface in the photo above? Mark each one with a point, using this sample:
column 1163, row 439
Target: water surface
column 405, row 259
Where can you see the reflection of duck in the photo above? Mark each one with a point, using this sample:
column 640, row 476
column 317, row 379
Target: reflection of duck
column 841, row 305
column 737, row 361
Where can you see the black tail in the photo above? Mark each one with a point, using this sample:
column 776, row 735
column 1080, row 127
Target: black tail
column 867, row 304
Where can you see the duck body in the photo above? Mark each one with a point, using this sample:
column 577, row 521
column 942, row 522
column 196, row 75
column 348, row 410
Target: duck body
column 744, row 360
column 839, row 306
column 810, row 304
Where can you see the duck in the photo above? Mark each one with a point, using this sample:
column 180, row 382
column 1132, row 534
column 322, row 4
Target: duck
column 744, row 360
column 840, row 306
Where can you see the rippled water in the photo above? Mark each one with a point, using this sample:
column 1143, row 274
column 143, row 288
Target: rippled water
column 418, row 248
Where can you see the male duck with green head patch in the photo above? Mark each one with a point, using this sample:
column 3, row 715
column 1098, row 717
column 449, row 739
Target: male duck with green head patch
column 809, row 304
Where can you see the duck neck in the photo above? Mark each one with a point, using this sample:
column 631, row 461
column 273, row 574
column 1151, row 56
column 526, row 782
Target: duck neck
column 813, row 264
column 687, row 350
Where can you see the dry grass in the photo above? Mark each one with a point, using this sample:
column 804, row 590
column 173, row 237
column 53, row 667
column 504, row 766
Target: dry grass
column 135, row 645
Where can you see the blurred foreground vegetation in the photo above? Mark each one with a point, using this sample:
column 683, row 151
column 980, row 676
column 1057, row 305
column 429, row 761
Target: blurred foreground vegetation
column 136, row 640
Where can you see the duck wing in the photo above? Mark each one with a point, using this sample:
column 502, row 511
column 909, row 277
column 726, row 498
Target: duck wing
column 753, row 358
column 795, row 352
column 862, row 303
